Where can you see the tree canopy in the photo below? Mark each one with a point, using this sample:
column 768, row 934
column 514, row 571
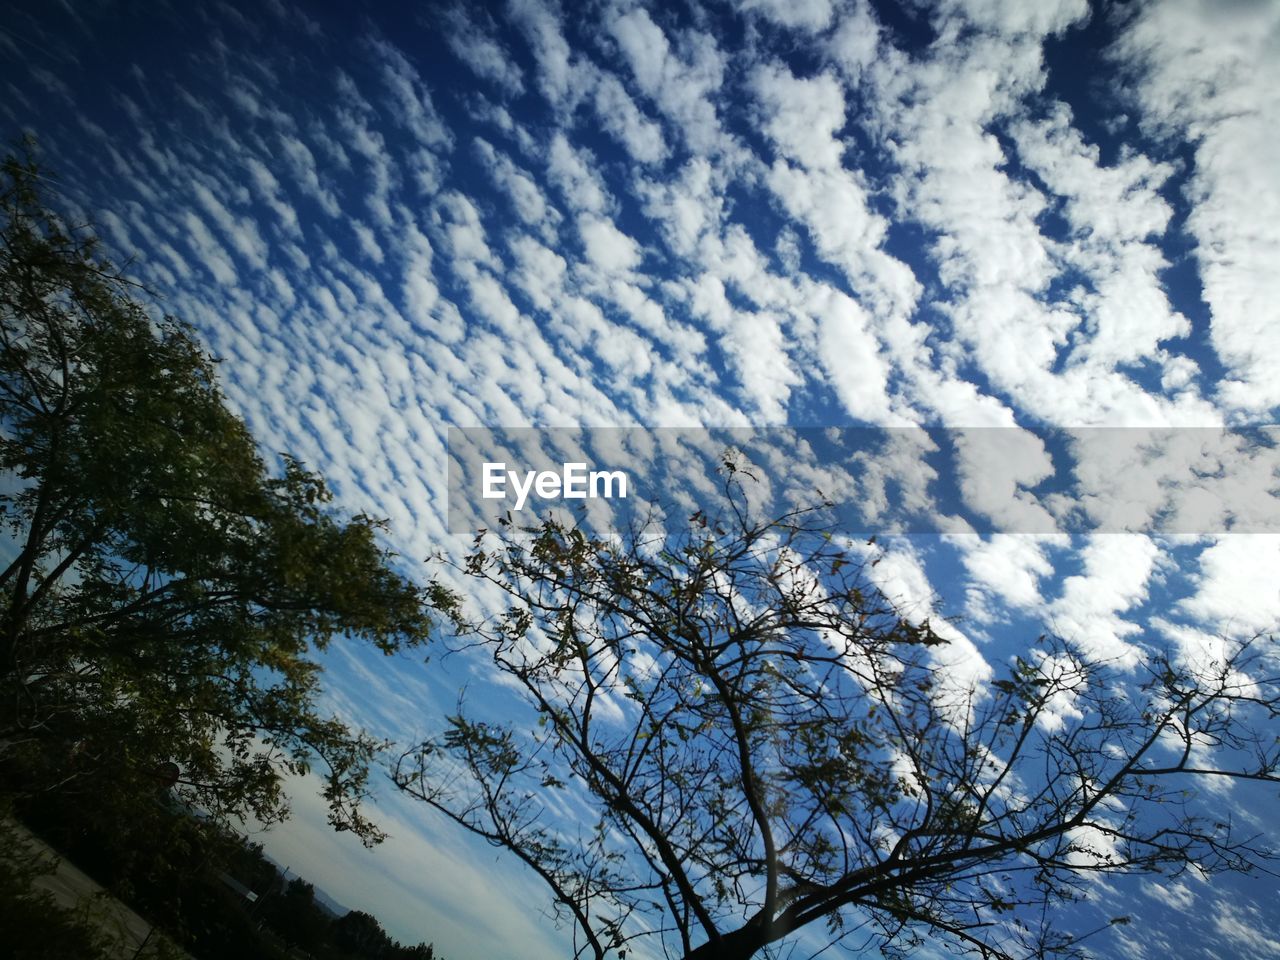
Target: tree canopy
column 163, row 594
column 767, row 747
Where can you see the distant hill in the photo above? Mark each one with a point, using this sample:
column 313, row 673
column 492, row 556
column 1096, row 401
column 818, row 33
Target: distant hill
column 330, row 905
column 326, row 902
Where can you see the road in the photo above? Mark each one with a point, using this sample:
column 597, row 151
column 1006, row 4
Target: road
column 128, row 934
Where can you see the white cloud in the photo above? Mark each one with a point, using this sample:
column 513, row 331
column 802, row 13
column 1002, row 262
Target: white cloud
column 302, row 165
column 608, row 247
column 526, row 196
column 850, row 355
column 573, row 171
column 268, row 189
column 685, row 207
column 209, row 252
column 1004, row 570
column 1208, row 72
column 996, row 469
column 482, row 53
column 960, row 667
column 681, row 85
column 802, row 116
column 855, row 44
column 756, row 345
column 1116, row 578
column 1093, row 846
column 414, row 107
column 1246, row 927
column 1175, row 894
column 1236, row 591
column 1114, row 213
column 240, row 232
column 857, row 233
column 621, row 117
column 810, row 15
column 540, row 23
column 1043, row 18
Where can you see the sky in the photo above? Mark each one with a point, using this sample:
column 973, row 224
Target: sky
column 391, row 220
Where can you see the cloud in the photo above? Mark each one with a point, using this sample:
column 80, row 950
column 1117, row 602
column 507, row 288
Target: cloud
column 802, row 116
column 620, row 215
column 526, row 196
column 209, row 252
column 1175, row 894
column 429, row 882
column 302, row 164
column 682, row 86
column 483, row 53
column 1116, row 578
column 808, row 15
column 1236, row 592
column 1207, row 72
column 851, row 355
column 574, row 172
column 960, row 668
column 541, row 24
column 1011, row 17
column 755, row 344
column 607, row 247
column 1004, row 571
column 1245, row 926
column 641, row 135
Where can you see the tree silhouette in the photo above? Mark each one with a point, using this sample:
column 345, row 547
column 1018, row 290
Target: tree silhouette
column 164, row 593
column 769, row 746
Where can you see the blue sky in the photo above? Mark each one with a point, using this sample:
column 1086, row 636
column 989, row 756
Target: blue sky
column 389, row 221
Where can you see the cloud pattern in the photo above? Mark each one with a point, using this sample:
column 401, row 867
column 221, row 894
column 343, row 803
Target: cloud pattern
column 967, row 213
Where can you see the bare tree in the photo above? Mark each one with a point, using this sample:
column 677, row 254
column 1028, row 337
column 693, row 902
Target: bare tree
column 765, row 744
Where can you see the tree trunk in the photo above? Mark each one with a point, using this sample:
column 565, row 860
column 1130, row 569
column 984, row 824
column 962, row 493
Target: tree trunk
column 741, row 944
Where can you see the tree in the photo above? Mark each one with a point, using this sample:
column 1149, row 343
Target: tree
column 296, row 917
column 164, row 595
column 359, row 934
column 769, row 746
column 33, row 925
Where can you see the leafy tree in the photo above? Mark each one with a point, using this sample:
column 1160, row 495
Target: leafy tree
column 359, row 934
column 295, row 915
column 164, row 595
column 33, row 926
column 770, row 747
column 419, row 951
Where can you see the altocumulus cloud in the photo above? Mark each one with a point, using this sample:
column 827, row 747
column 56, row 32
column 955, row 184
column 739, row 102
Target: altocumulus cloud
column 827, row 212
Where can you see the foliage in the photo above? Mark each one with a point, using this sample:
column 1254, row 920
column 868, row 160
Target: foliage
column 768, row 747
column 32, row 924
column 165, row 595
column 296, row 917
column 172, row 869
column 359, row 934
